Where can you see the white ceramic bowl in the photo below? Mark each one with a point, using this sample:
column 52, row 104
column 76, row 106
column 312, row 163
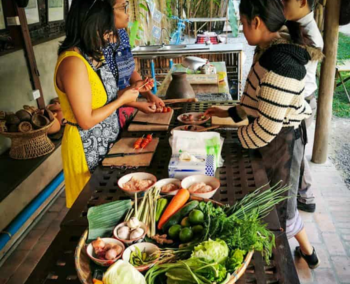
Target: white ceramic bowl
column 166, row 181
column 212, row 181
column 101, row 262
column 149, row 248
column 195, row 121
column 130, row 242
column 139, row 176
column 182, row 127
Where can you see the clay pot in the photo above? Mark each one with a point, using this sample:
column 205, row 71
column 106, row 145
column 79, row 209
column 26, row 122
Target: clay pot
column 12, row 119
column 179, row 87
column 2, row 115
column 23, row 115
column 30, row 109
column 25, row 127
column 3, row 127
column 56, row 108
column 49, row 114
column 39, row 121
column 56, row 126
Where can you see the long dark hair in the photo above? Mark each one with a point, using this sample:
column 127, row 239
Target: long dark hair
column 87, row 22
column 271, row 13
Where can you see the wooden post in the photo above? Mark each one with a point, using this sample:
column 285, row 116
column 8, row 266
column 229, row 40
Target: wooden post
column 325, row 98
column 30, row 57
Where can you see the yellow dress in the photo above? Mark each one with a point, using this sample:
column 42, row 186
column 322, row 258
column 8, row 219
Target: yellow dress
column 75, row 167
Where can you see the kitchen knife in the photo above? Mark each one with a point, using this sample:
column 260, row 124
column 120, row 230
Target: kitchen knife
column 116, row 155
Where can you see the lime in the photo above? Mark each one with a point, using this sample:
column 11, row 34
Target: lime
column 196, row 217
column 197, row 230
column 185, row 222
column 186, row 234
column 174, row 231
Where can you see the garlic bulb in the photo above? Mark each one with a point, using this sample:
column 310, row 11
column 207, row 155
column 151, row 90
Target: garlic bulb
column 137, row 233
column 111, row 254
column 133, row 223
column 124, row 232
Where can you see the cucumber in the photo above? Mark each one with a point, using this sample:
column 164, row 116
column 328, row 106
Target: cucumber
column 173, row 220
column 184, row 211
column 176, row 218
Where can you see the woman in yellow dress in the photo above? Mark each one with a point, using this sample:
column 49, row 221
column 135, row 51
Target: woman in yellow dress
column 88, row 92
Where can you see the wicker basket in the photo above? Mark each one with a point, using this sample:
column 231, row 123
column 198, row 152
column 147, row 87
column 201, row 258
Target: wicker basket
column 31, row 144
column 83, row 267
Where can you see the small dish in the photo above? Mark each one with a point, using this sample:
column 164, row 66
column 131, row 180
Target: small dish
column 166, row 181
column 102, row 262
column 140, row 176
column 149, row 248
column 212, row 181
column 130, row 242
column 196, row 118
column 187, row 128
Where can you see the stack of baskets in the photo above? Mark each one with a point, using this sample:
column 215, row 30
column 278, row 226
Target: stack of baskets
column 27, row 129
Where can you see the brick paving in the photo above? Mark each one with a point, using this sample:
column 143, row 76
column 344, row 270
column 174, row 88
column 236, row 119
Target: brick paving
column 329, row 227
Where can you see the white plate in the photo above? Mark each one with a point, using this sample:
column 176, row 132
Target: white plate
column 182, row 127
column 195, row 120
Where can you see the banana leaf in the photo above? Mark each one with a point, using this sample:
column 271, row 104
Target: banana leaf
column 104, row 218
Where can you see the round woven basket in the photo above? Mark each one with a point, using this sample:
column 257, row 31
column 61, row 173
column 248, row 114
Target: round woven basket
column 30, row 145
column 82, row 261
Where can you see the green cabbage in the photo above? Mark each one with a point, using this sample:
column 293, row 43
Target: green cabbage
column 235, row 260
column 216, row 251
column 123, row 272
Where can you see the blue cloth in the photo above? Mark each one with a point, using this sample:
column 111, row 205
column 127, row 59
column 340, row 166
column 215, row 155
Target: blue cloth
column 120, row 59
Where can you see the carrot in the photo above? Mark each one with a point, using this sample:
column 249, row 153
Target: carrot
column 175, row 205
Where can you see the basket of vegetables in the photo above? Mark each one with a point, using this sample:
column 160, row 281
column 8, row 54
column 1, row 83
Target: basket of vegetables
column 188, row 239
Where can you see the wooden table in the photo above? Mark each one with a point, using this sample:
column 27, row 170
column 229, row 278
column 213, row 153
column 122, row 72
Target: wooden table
column 241, row 174
column 205, row 21
column 198, row 88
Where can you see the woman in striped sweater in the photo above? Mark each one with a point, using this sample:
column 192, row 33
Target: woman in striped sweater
column 274, row 104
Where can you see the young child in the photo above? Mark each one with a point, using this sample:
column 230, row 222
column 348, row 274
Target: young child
column 301, row 11
column 273, row 101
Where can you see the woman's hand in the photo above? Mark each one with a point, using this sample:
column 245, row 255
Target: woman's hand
column 130, row 95
column 215, row 111
column 157, row 101
column 146, row 107
column 144, row 85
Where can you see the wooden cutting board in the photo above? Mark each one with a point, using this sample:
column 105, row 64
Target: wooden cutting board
column 126, row 145
column 163, row 118
column 227, row 121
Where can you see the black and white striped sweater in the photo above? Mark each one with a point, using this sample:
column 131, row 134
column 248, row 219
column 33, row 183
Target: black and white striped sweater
column 273, row 94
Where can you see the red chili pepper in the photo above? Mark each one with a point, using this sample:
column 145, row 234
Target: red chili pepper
column 137, row 143
column 145, row 142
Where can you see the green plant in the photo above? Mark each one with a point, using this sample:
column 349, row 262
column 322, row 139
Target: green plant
column 135, row 27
